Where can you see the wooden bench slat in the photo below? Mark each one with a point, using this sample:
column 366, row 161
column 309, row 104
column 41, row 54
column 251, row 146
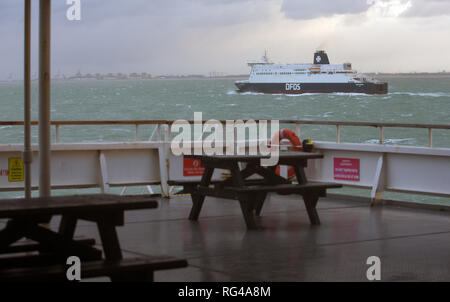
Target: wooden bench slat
column 285, row 187
column 43, row 259
column 56, row 205
column 197, row 182
column 94, row 269
column 29, row 247
column 290, row 155
column 236, row 192
column 186, row 182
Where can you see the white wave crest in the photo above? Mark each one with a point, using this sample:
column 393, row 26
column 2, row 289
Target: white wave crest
column 232, row 92
column 391, row 140
column 351, row 94
column 426, row 94
column 235, row 92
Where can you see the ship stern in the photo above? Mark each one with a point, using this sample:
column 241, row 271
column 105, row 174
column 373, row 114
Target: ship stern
column 381, row 88
column 377, row 88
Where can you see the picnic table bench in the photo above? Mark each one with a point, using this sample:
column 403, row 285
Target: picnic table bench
column 106, row 210
column 251, row 193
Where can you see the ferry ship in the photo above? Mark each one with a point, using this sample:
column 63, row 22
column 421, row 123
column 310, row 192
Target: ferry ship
column 319, row 77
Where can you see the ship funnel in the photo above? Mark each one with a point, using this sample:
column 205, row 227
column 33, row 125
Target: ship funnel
column 320, row 57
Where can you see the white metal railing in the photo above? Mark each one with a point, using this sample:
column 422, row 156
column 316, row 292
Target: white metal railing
column 158, row 131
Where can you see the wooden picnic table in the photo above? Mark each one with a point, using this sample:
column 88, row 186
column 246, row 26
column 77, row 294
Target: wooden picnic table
column 54, row 247
column 251, row 192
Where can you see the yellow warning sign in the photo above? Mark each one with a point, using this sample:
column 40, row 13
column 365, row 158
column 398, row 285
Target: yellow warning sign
column 15, row 169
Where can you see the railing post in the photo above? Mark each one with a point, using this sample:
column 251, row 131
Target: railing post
column 153, row 133
column 137, row 132
column 338, row 134
column 381, row 135
column 159, row 132
column 164, row 163
column 430, row 137
column 167, row 133
column 297, row 129
column 57, row 133
column 379, row 182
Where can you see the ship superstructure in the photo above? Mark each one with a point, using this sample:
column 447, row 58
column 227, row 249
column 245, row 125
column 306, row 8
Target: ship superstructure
column 319, row 77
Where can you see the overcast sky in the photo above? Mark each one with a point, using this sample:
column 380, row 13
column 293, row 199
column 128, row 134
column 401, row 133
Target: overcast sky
column 202, row 36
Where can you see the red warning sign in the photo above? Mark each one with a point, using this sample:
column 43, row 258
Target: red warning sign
column 346, row 169
column 192, row 167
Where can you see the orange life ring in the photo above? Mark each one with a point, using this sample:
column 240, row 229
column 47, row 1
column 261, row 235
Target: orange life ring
column 295, row 142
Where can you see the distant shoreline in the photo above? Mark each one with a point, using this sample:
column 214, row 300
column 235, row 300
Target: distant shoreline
column 411, row 75
column 242, row 76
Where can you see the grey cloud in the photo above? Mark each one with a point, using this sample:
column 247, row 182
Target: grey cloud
column 117, row 35
column 428, row 8
column 310, row 9
column 172, row 11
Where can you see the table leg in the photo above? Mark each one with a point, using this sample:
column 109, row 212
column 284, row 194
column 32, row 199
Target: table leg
column 110, row 240
column 247, row 207
column 60, row 246
column 260, row 203
column 111, row 246
column 236, row 176
column 247, row 202
column 300, row 173
column 197, row 203
column 67, row 227
column 310, row 204
column 13, row 232
column 197, row 200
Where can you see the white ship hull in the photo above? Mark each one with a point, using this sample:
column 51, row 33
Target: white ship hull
column 299, row 88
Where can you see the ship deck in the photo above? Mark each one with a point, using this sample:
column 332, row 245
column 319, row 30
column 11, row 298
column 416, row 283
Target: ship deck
column 412, row 243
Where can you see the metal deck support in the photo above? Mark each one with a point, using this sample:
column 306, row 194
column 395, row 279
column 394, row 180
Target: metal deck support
column 104, row 183
column 27, row 153
column 163, row 153
column 44, row 96
column 379, row 181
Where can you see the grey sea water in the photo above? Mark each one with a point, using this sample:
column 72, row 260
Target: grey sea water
column 410, row 100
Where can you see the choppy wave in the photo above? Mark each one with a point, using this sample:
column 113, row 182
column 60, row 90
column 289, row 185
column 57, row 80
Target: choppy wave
column 5, row 127
column 121, row 130
column 429, row 94
column 351, row 94
column 244, row 93
column 297, row 95
column 392, row 141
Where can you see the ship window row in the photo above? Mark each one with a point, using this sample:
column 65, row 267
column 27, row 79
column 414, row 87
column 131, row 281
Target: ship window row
column 283, row 73
column 291, row 73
